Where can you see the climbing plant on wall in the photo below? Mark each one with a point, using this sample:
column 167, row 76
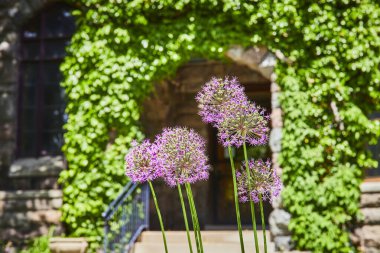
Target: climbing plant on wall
column 330, row 85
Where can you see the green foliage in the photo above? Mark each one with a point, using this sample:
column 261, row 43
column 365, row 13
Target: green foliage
column 122, row 47
column 40, row 244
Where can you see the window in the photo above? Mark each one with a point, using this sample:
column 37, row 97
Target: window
column 41, row 99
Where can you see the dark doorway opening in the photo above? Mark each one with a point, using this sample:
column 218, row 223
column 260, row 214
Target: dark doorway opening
column 222, row 211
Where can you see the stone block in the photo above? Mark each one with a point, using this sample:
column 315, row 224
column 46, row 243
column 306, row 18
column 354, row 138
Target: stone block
column 251, row 57
column 283, row 243
column 32, row 194
column 17, row 205
column 277, row 203
column 369, row 236
column 37, row 167
column 274, row 87
column 68, row 245
column 371, row 250
column 371, row 215
column 275, row 140
column 370, row 200
column 279, row 221
column 275, row 100
column 29, row 218
column 370, row 187
column 276, row 118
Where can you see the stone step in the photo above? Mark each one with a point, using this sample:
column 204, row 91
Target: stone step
column 213, row 242
column 215, row 247
column 207, row 236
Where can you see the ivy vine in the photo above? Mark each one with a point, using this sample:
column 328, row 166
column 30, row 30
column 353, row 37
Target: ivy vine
column 122, row 47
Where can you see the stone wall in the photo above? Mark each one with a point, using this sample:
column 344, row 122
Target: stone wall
column 29, row 195
column 26, row 214
column 367, row 235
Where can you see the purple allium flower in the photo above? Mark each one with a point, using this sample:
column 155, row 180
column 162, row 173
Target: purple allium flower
column 244, row 123
column 182, row 151
column 263, row 179
column 217, row 95
column 142, row 163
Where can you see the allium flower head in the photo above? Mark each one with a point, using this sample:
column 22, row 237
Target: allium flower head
column 219, row 94
column 182, row 151
column 244, row 123
column 142, row 163
column 263, row 179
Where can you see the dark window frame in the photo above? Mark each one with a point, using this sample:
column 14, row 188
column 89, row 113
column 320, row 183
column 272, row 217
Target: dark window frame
column 41, row 61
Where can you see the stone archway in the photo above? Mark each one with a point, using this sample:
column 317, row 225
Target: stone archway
column 173, row 103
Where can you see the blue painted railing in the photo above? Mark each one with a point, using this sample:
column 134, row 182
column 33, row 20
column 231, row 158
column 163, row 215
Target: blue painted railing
column 125, row 218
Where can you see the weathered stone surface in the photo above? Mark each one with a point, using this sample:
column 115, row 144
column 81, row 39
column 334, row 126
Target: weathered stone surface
column 32, row 167
column 267, row 65
column 275, row 140
column 283, row 243
column 275, row 100
column 30, row 204
column 277, row 203
column 370, row 200
column 371, row 250
column 368, row 187
column 276, row 118
column 279, row 221
column 371, row 215
column 25, row 219
column 369, row 236
column 256, row 58
column 67, row 245
column 31, row 194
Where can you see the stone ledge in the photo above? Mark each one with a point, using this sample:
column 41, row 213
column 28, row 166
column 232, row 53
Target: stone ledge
column 368, row 187
column 36, row 167
column 27, row 219
column 370, row 200
column 31, row 194
column 371, row 215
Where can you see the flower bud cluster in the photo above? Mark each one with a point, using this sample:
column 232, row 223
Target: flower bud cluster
column 178, row 155
column 264, row 181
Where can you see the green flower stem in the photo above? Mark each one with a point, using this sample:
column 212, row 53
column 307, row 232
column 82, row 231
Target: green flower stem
column 193, row 221
column 250, row 200
column 236, row 200
column 185, row 217
column 159, row 216
column 194, row 211
column 263, row 223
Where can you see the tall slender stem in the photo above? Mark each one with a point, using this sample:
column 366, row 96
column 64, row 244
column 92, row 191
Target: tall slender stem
column 250, row 199
column 263, row 223
column 195, row 228
column 238, row 221
column 185, row 217
column 194, row 210
column 159, row 215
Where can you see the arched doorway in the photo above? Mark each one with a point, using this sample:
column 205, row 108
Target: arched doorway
column 173, row 103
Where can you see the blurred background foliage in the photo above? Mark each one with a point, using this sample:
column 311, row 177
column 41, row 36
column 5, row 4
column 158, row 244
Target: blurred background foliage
column 330, row 86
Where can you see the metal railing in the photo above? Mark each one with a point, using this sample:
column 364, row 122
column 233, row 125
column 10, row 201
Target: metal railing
column 125, row 218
